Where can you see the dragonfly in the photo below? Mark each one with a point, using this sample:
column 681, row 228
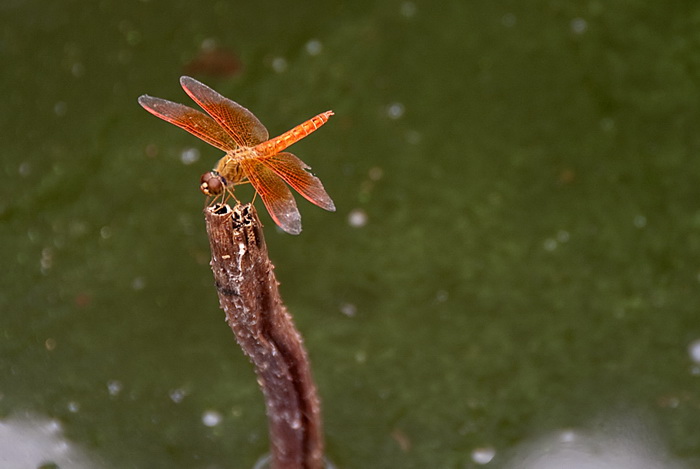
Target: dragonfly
column 251, row 155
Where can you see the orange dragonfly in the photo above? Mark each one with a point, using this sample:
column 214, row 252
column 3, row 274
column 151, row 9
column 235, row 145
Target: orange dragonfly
column 251, row 155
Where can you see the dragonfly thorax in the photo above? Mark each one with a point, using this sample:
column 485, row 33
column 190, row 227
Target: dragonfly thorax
column 230, row 168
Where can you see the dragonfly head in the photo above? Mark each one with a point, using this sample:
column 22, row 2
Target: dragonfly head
column 212, row 183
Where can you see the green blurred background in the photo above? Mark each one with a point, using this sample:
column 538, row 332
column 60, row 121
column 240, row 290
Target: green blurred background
column 515, row 250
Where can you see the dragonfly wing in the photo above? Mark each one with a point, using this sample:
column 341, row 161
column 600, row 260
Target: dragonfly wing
column 296, row 173
column 195, row 122
column 276, row 196
column 238, row 121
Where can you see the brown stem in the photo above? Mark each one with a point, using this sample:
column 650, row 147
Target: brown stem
column 248, row 294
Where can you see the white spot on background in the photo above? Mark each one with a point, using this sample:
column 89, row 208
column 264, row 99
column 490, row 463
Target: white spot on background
column 357, row 218
column 550, row 244
column 579, row 26
column 46, row 261
column 563, row 236
column 138, row 283
column 375, row 173
column 25, row 169
column 313, row 47
column 441, row 296
column 279, row 64
column 694, row 350
column 189, row 156
column 483, row 455
column 114, row 387
column 348, row 309
column 177, row 395
column 209, row 44
column 211, row 418
column 408, row 9
column 508, row 20
column 395, row 110
column 78, row 69
column 60, row 108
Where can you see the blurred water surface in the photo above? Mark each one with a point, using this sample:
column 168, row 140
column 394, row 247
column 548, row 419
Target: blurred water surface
column 514, row 255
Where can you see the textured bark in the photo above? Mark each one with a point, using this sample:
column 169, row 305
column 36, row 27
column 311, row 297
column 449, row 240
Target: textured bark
column 249, row 295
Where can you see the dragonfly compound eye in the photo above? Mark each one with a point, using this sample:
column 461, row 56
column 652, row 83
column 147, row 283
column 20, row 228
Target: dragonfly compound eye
column 211, row 183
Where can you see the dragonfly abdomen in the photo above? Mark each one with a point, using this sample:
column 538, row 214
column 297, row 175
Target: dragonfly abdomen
column 277, row 144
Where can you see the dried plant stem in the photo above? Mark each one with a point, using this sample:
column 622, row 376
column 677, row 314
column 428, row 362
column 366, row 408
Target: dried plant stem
column 248, row 294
